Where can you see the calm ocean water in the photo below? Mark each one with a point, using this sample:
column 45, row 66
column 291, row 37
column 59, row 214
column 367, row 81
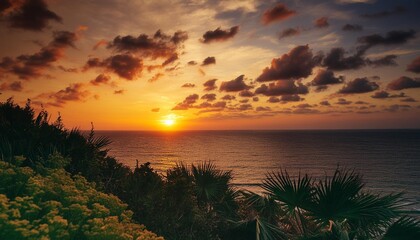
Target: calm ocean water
column 388, row 159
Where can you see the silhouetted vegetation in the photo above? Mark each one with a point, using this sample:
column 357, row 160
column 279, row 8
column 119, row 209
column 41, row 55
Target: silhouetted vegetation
column 52, row 179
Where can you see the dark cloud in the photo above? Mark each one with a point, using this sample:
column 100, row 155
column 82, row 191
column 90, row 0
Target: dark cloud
column 228, row 97
column 219, row 35
column 155, row 109
column 101, row 79
column 209, row 97
column 388, row 60
column 404, row 83
column 261, row 109
column 244, row 100
column 321, row 22
column 245, row 107
column 397, row 10
column 288, row 32
column 14, row 86
column 70, row 70
column 235, row 85
column 75, row 92
column 159, row 45
column 246, row 93
column 298, row 63
column 31, row 15
column 361, row 103
column 352, row 27
column 303, row 105
column 156, row 77
column 384, row 94
column 124, row 65
column 170, row 60
column 397, row 107
column 32, row 66
column 391, row 38
column 187, row 103
column 342, row 101
column 210, row 85
column 359, row 85
column 325, row 77
column 255, row 99
column 282, row 87
column 409, row 99
column 192, row 63
column 277, row 13
column 273, row 99
column 121, row 91
column 336, row 60
column 208, row 61
column 291, row 98
column 414, row 66
column 325, row 103
column 188, row 85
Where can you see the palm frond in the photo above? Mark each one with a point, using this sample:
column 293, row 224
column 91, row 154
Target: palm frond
column 405, row 228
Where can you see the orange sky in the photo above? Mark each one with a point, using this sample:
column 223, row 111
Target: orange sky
column 189, row 65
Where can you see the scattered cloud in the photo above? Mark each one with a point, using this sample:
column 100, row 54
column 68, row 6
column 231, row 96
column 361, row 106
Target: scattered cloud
column 321, row 22
column 325, row 77
column 396, row 11
column 246, row 93
column 404, row 83
column 282, row 87
column 352, row 27
column 187, row 103
column 31, row 15
column 383, row 94
column 414, row 66
column 277, row 13
column 101, row 79
column 208, row 61
column 209, row 97
column 219, row 35
column 235, row 85
column 75, row 92
column 298, row 63
column 14, row 86
column 359, row 85
column 126, row 66
column 210, row 85
column 388, row 60
column 396, row 37
column 188, row 85
column 288, row 32
column 336, row 60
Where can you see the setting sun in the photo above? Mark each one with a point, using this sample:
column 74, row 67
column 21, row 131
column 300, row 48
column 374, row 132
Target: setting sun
column 168, row 122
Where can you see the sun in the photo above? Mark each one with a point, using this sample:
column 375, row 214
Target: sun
column 168, row 122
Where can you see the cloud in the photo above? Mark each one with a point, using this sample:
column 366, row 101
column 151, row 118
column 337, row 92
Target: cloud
column 125, row 65
column 219, row 35
column 352, row 27
column 246, row 93
column 31, row 15
column 388, row 60
column 397, row 10
column 210, row 85
column 359, row 85
column 288, row 32
column 244, row 100
column 324, row 103
column 209, row 97
column 228, row 97
column 75, row 92
column 391, row 38
column 277, row 13
column 342, row 101
column 156, row 77
column 187, row 103
column 261, row 109
column 245, row 107
column 32, row 66
column 325, row 77
column 404, row 83
column 298, row 63
column 192, row 63
column 14, row 86
column 188, row 85
column 235, row 85
column 321, row 22
column 409, row 99
column 159, row 45
column 384, row 94
column 170, row 60
column 155, row 109
column 397, row 107
column 255, row 99
column 101, row 79
column 208, row 61
column 121, row 91
column 273, row 99
column 291, row 98
column 283, row 87
column 414, row 66
column 335, row 60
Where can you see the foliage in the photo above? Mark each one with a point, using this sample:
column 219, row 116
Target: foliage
column 54, row 205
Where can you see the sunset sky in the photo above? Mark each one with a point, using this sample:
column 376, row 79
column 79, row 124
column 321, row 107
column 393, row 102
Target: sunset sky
column 154, row 65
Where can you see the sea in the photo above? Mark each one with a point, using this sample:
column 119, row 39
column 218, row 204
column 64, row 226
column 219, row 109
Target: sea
column 388, row 160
